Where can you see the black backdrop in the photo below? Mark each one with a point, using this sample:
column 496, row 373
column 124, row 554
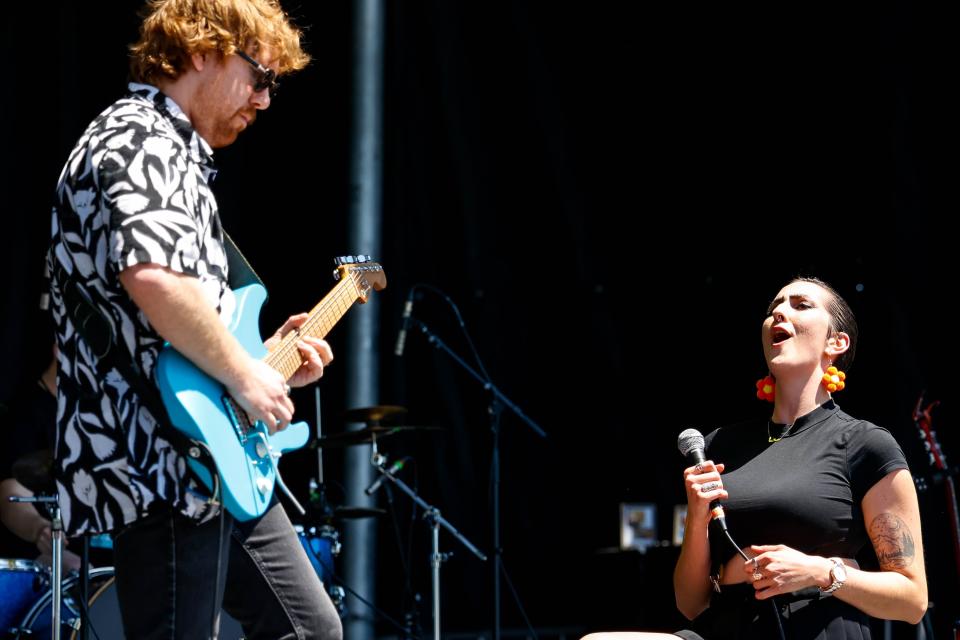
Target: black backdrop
column 611, row 193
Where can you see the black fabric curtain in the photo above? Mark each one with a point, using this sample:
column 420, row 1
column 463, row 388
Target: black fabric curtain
column 611, row 194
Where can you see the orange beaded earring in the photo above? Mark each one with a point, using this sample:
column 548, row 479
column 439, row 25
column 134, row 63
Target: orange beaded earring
column 834, row 379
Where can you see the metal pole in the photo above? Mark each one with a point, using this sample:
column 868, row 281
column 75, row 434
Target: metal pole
column 495, row 464
column 435, row 561
column 362, row 357
column 57, row 530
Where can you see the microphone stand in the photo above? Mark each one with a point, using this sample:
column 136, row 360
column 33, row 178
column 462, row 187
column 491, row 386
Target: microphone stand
column 497, row 402
column 432, row 515
column 56, row 529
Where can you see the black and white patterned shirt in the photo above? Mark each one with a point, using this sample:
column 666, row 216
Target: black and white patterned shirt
column 134, row 190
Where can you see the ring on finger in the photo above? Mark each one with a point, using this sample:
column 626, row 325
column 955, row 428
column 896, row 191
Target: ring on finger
column 286, row 389
column 698, row 468
column 710, row 486
column 757, row 576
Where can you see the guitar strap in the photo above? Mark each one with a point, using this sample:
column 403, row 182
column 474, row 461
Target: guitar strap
column 96, row 330
column 240, row 272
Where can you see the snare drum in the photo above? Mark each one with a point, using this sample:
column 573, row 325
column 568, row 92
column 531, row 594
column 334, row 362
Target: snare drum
column 103, row 611
column 22, row 582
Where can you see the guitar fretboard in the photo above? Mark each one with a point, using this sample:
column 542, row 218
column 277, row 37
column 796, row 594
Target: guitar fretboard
column 285, row 357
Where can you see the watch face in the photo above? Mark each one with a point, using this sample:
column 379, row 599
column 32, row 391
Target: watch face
column 839, row 572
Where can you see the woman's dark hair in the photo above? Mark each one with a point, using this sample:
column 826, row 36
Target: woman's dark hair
column 841, row 320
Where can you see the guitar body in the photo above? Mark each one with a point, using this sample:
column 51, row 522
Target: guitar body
column 197, row 405
column 245, row 454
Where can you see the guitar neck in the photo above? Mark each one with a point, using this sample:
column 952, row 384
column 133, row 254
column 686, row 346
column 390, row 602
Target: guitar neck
column 285, row 357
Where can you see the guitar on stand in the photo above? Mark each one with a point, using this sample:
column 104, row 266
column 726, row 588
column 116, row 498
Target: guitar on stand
column 923, row 419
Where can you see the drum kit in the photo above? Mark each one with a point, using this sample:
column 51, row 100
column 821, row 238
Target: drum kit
column 32, row 600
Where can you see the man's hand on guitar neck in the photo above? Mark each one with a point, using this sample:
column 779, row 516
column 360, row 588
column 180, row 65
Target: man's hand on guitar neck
column 316, row 353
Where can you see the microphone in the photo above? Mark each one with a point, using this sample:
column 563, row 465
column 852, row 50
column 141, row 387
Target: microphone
column 402, row 335
column 396, row 466
column 691, row 445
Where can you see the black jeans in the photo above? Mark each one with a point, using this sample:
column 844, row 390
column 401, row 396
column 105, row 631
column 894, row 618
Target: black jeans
column 166, row 572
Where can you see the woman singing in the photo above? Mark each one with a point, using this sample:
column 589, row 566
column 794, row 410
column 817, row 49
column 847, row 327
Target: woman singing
column 803, row 492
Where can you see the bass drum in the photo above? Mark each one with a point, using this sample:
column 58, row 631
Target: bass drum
column 104, row 612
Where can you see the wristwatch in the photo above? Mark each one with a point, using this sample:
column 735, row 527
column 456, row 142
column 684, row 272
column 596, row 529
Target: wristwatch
column 838, row 574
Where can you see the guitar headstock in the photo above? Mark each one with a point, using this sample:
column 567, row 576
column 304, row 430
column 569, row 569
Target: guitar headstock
column 366, row 273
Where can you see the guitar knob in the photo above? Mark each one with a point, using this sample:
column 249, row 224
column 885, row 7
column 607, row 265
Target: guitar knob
column 263, row 485
column 261, row 450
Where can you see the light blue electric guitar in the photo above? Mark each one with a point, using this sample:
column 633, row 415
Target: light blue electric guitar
column 245, row 454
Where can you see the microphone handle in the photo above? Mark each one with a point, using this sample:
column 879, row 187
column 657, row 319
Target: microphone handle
column 716, row 509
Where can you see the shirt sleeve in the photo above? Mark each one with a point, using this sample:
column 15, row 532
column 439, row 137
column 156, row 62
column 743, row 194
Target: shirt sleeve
column 872, row 453
column 151, row 199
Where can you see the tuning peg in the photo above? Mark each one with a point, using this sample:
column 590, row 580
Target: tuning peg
column 360, row 259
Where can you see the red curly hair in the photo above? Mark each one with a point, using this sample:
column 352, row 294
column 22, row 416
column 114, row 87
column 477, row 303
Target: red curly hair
column 173, row 30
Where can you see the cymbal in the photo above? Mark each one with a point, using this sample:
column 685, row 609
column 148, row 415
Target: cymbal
column 364, row 436
column 354, row 513
column 35, row 471
column 374, row 415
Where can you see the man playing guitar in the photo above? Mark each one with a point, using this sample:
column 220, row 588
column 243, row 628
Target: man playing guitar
column 137, row 235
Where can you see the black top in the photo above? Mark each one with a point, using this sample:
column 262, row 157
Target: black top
column 804, row 491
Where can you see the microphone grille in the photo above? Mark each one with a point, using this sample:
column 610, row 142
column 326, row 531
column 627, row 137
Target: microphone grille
column 689, row 440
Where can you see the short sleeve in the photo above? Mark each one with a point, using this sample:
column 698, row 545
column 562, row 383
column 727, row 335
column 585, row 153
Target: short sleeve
column 150, row 193
column 872, row 453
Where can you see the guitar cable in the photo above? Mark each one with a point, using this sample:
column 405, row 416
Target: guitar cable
column 217, row 598
column 217, row 605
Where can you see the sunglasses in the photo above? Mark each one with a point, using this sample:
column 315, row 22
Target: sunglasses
column 265, row 78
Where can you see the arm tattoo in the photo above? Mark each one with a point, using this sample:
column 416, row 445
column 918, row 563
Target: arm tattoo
column 892, row 541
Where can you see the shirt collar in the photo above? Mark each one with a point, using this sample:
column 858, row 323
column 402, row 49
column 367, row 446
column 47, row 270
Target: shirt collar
column 200, row 152
column 804, row 422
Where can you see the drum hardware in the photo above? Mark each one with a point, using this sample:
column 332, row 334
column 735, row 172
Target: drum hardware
column 56, row 528
column 102, row 608
column 354, row 513
column 34, row 472
column 374, row 415
column 322, row 543
column 365, row 435
column 38, row 622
